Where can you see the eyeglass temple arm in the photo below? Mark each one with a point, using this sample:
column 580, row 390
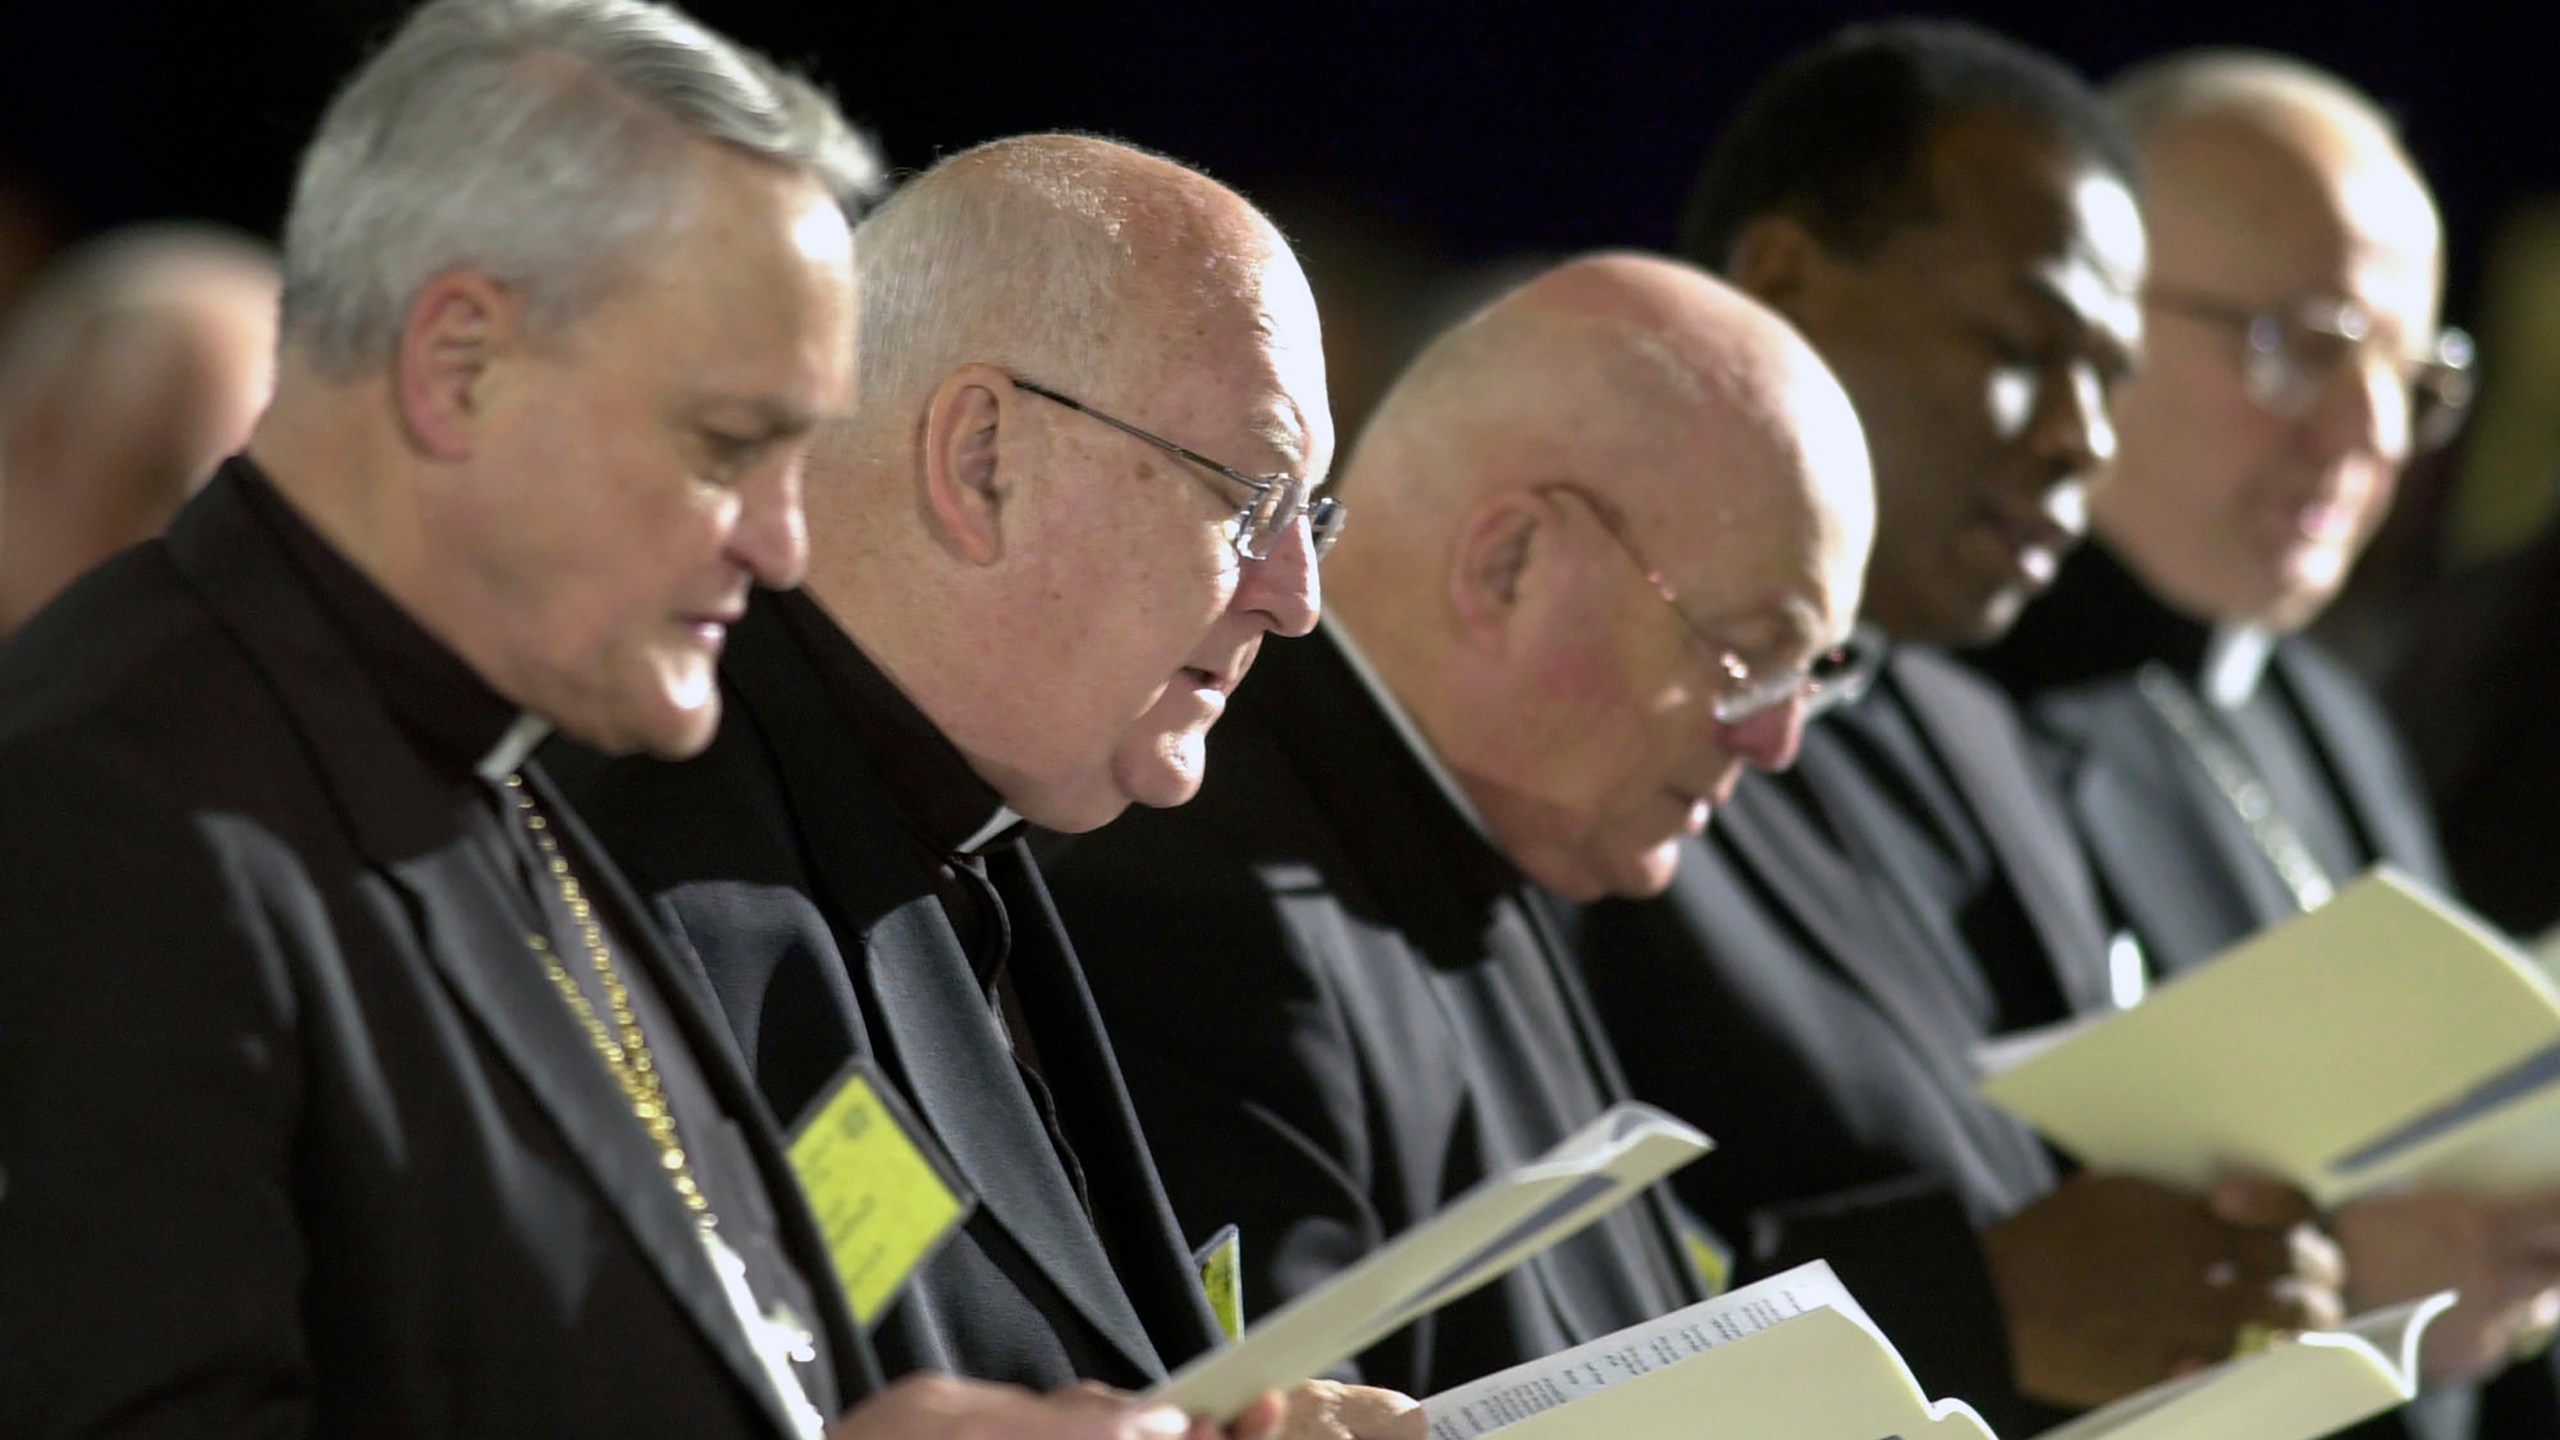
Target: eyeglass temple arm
column 1170, row 447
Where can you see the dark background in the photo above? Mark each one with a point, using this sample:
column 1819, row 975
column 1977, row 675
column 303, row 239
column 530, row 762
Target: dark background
column 1465, row 132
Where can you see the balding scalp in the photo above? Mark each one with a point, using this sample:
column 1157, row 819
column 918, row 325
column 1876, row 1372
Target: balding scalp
column 1579, row 371
column 1035, row 253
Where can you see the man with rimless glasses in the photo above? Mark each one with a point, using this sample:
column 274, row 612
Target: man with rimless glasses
column 1068, row 509
column 1609, row 539
column 2225, row 773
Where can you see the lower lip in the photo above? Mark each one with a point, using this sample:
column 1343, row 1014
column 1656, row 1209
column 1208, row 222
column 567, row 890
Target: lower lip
column 2316, row 524
column 711, row 635
column 1206, row 686
column 2007, row 548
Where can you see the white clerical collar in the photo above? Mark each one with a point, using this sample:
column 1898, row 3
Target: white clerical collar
column 2235, row 660
column 1411, row 733
column 507, row 756
column 1004, row 819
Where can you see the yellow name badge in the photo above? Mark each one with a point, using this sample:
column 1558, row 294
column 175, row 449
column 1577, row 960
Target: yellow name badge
column 1706, row 1254
column 1221, row 1267
column 885, row 1199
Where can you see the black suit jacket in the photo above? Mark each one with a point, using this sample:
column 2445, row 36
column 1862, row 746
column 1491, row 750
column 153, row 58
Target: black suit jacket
column 297, row 1137
column 1339, row 1008
column 1794, row 997
column 779, row 861
column 2183, row 871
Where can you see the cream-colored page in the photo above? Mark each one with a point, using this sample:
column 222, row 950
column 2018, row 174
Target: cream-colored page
column 1792, row 1357
column 2301, row 1389
column 2381, row 1037
column 1480, row 1235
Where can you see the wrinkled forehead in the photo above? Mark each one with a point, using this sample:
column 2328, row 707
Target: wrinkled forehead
column 1240, row 346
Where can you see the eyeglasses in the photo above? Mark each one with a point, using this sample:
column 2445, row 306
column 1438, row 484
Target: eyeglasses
column 2292, row 353
column 1834, row 679
column 1274, row 501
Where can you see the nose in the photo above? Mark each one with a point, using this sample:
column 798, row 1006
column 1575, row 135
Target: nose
column 2076, row 429
column 1769, row 739
column 1283, row 585
column 2364, row 407
column 771, row 536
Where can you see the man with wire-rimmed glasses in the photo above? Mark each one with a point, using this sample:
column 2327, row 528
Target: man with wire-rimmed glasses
column 1070, row 507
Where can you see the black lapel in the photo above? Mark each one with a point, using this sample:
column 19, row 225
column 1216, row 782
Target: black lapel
column 1085, row 1082
column 948, row 1052
column 2365, row 759
column 1784, row 851
column 1448, row 894
column 1977, row 736
column 406, row 824
column 2181, row 866
column 1418, row 857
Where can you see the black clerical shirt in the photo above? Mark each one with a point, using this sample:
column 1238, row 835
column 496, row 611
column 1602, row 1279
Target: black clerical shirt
column 472, row 735
column 2100, row 624
column 951, row 815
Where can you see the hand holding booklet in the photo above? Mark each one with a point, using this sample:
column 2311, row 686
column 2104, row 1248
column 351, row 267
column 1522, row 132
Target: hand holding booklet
column 2299, row 1389
column 1792, row 1357
column 2383, row 1037
column 1481, row 1234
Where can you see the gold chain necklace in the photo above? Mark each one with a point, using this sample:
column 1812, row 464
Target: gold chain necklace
column 2241, row 787
column 624, row 1048
column 778, row 1336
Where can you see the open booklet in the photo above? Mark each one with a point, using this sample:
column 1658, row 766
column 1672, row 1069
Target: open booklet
column 1793, row 1357
column 2386, row 1036
column 1478, row 1236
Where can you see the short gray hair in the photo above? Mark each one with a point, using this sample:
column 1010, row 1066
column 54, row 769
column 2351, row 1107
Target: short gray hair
column 533, row 140
column 1018, row 252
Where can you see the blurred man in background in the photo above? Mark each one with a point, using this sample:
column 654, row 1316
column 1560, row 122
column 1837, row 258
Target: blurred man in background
column 135, row 363
column 2224, row 772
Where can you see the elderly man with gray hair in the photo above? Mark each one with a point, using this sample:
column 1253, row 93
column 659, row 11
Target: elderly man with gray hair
column 344, row 1089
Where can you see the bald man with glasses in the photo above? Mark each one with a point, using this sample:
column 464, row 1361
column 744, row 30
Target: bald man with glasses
column 1611, row 531
column 1020, row 607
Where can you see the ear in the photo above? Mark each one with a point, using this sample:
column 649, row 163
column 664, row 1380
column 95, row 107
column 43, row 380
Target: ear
column 458, row 326
column 1779, row 262
column 1499, row 543
column 968, row 421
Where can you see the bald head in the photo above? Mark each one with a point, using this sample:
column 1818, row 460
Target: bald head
column 1078, row 261
column 1616, row 416
column 135, row 364
column 1644, row 375
column 1058, row 593
column 2244, row 492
